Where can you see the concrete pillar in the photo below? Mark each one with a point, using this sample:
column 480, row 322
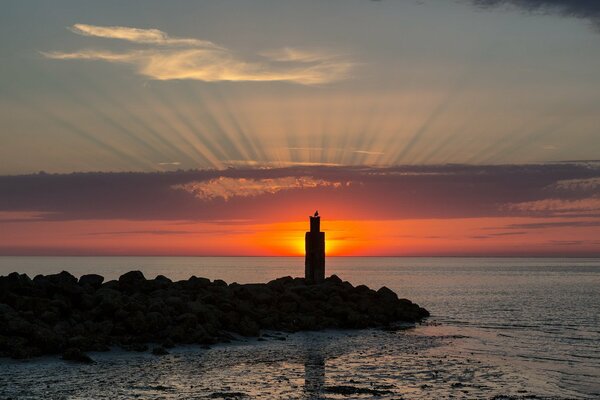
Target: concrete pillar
column 314, row 263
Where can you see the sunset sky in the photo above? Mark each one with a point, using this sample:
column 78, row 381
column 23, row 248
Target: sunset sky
column 421, row 128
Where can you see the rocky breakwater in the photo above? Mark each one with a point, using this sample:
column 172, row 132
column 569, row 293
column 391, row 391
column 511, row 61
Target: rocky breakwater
column 59, row 314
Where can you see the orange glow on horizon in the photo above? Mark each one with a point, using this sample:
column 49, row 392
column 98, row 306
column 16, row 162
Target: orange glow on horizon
column 342, row 238
column 415, row 237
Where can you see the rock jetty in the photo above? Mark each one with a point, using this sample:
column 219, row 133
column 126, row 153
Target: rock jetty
column 60, row 314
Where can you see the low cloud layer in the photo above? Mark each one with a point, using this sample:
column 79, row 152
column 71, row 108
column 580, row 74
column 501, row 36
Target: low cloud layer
column 171, row 58
column 228, row 188
column 277, row 194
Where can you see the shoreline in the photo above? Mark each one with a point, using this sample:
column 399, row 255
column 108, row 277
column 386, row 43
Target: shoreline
column 59, row 314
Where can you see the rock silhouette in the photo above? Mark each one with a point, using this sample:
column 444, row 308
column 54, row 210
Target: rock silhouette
column 58, row 314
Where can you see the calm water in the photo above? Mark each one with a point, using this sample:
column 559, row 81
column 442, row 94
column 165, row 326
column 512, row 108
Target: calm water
column 499, row 327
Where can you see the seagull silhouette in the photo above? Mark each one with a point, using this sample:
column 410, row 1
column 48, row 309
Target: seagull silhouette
column 317, row 213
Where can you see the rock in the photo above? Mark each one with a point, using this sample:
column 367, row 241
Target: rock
column 76, row 355
column 109, row 300
column 52, row 313
column 132, row 281
column 387, row 295
column 65, row 283
column 132, row 277
column 6, row 311
column 163, row 279
column 62, row 278
column 159, row 351
column 42, row 282
column 247, row 327
column 219, row 282
column 161, row 282
column 156, row 321
column 92, row 280
column 49, row 317
column 137, row 347
column 281, row 282
column 198, row 283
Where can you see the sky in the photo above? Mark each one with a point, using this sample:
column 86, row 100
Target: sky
column 417, row 128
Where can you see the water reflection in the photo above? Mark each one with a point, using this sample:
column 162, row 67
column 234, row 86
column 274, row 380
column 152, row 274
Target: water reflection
column 314, row 373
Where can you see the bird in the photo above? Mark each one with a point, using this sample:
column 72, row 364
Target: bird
column 316, row 213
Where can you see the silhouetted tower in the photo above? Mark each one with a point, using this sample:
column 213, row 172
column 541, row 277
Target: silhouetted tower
column 314, row 263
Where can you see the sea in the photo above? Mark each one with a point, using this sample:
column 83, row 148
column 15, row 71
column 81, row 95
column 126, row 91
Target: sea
column 500, row 328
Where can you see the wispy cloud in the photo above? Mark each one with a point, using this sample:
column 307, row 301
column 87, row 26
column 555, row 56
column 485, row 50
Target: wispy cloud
column 137, row 35
column 289, row 54
column 560, row 224
column 590, row 184
column 171, row 58
column 559, row 206
column 22, row 216
column 227, row 188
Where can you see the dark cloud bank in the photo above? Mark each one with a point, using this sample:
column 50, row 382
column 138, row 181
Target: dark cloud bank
column 586, row 9
column 447, row 191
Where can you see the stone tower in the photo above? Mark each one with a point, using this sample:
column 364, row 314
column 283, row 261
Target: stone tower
column 314, row 263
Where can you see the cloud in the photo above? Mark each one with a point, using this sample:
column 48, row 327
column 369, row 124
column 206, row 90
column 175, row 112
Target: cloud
column 570, row 185
column 276, row 194
column 368, row 152
column 560, row 224
column 559, row 206
column 290, row 54
column 90, row 55
column 566, row 242
column 227, row 188
column 193, row 59
column 137, row 35
column 587, row 9
column 165, row 232
column 21, row 216
column 496, row 235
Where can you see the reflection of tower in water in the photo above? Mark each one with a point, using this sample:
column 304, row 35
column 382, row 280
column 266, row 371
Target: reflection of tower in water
column 314, row 374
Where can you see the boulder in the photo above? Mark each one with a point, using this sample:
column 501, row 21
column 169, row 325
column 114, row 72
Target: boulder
column 76, row 355
column 65, row 283
column 132, row 281
column 247, row 327
column 219, row 282
column 196, row 283
column 159, row 351
column 387, row 295
column 92, row 280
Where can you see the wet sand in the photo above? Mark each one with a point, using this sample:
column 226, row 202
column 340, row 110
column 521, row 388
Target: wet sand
column 416, row 363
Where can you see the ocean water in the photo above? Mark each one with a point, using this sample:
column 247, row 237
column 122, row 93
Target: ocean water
column 499, row 327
